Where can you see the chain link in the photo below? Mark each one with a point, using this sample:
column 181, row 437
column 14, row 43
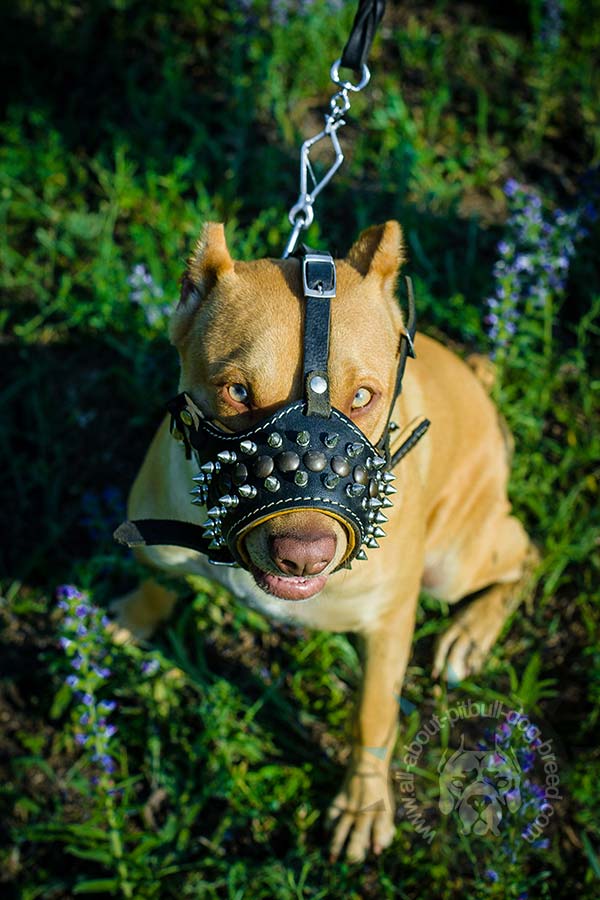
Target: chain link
column 302, row 214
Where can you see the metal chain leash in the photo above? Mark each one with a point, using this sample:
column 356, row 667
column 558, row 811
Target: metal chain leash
column 302, row 214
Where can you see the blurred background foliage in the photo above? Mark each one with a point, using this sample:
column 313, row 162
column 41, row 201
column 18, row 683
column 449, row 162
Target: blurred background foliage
column 124, row 126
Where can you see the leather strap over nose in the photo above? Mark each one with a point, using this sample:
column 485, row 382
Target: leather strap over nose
column 319, row 285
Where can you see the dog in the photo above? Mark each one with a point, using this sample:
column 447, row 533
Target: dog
column 238, row 330
column 478, row 784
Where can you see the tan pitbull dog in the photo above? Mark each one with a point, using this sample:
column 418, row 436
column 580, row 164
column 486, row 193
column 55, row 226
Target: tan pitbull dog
column 238, row 330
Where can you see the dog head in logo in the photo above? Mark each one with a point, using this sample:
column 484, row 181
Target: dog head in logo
column 479, row 784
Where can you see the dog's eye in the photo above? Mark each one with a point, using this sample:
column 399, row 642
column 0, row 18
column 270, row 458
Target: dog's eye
column 238, row 393
column 362, row 398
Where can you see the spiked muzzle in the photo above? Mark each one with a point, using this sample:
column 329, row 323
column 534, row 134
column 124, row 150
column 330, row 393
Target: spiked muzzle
column 306, row 456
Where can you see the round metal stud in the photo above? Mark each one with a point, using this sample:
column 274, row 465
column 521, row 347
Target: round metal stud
column 360, row 475
column 330, row 440
column 240, row 474
column 315, row 461
column 303, row 438
column 393, row 426
column 274, row 440
column 186, row 417
column 301, row 479
column 318, row 384
column 340, row 466
column 288, row 461
column 263, row 466
column 373, row 488
column 272, row 483
column 331, row 481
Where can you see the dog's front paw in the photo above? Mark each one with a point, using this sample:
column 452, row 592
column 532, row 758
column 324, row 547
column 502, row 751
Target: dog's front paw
column 363, row 815
column 138, row 614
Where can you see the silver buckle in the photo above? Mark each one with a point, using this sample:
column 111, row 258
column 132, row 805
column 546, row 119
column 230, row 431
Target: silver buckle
column 318, row 275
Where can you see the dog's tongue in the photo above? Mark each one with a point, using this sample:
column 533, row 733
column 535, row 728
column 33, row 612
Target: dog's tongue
column 288, row 587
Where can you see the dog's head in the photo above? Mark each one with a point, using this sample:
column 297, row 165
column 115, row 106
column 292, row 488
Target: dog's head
column 478, row 784
column 239, row 332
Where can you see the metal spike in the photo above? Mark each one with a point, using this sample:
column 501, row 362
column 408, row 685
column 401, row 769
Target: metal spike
column 227, row 456
column 272, row 484
column 375, row 503
column 378, row 532
column 330, row 440
column 200, row 478
column 355, row 490
column 301, row 479
column 197, row 490
column 355, row 449
column 207, row 524
column 215, row 513
column 303, row 438
column 229, row 500
column 209, row 533
column 274, row 440
column 247, row 490
column 361, row 554
column 371, row 543
column 198, row 501
column 378, row 462
column 380, row 518
column 387, row 477
column 389, row 489
column 209, row 468
column 386, row 502
column 215, row 544
column 248, row 447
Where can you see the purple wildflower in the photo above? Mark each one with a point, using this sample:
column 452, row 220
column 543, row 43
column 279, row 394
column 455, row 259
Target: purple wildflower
column 150, row 666
column 492, row 875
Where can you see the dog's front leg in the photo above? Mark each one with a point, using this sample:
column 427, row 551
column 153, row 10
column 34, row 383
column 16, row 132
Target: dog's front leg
column 363, row 811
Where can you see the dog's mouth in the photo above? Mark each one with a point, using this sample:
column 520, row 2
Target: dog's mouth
column 289, row 587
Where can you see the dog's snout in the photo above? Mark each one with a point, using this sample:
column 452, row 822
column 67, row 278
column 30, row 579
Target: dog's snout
column 302, row 555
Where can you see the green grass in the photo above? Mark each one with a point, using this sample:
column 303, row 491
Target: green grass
column 137, row 123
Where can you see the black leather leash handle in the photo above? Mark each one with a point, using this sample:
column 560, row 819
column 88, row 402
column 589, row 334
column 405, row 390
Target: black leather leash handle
column 366, row 21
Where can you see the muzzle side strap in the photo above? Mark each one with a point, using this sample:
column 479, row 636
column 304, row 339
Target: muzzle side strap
column 406, row 349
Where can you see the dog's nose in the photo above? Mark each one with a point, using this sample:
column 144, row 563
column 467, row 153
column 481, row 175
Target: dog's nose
column 302, row 555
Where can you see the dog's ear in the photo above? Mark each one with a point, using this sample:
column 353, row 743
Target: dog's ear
column 209, row 262
column 379, row 251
